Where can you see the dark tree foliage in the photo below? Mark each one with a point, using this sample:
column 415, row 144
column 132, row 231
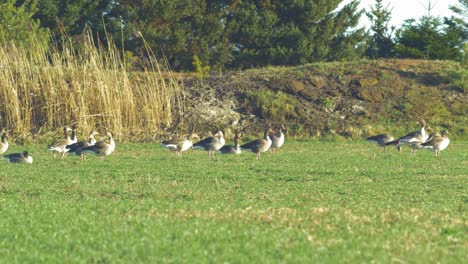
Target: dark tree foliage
column 73, row 16
column 179, row 29
column 381, row 44
column 18, row 25
column 430, row 38
column 291, row 32
column 461, row 20
column 237, row 33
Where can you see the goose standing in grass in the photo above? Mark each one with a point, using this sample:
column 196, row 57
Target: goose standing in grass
column 232, row 149
column 60, row 145
column 4, row 143
column 75, row 147
column 437, row 143
column 277, row 138
column 19, row 157
column 211, row 144
column 178, row 144
column 259, row 145
column 101, row 148
column 380, row 140
column 414, row 139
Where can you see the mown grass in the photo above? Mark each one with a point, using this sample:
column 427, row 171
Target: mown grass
column 312, row 201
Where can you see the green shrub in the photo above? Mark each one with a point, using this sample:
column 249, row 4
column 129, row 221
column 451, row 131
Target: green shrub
column 328, row 103
column 269, row 105
column 458, row 78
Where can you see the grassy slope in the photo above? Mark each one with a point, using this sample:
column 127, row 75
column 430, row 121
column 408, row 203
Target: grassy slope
column 353, row 99
column 327, row 201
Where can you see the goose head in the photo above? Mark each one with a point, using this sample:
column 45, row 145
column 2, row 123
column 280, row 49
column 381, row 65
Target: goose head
column 281, row 128
column 108, row 134
column 237, row 136
column 219, row 134
column 422, row 122
column 267, row 131
column 5, row 137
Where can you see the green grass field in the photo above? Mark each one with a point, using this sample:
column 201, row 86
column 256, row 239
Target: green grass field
column 310, row 202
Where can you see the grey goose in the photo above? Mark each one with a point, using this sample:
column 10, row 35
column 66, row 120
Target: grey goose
column 101, row 148
column 260, row 145
column 380, row 140
column 437, row 143
column 232, row 149
column 413, row 139
column 277, row 137
column 19, row 158
column 178, row 144
column 60, row 145
column 211, row 144
column 4, row 143
column 75, row 147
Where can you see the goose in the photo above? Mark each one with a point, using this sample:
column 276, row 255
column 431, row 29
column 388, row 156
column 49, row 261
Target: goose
column 178, row 144
column 380, row 140
column 19, row 158
column 211, row 144
column 232, row 149
column 437, row 143
column 4, row 143
column 101, row 148
column 73, row 137
column 61, row 144
column 414, row 139
column 259, row 145
column 75, row 147
column 277, row 138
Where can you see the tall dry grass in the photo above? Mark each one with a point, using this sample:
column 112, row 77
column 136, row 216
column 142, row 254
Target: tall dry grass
column 43, row 89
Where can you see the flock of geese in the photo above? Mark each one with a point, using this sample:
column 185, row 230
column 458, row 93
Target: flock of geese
column 416, row 140
column 273, row 139
column 67, row 144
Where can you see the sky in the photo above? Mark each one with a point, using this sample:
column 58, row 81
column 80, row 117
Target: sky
column 405, row 9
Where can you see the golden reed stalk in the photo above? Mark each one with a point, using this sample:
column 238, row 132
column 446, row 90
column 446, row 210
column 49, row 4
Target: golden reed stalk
column 44, row 89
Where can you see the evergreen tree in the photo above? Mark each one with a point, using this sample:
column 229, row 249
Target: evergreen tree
column 461, row 10
column 381, row 44
column 291, row 32
column 461, row 20
column 430, row 39
column 17, row 24
column 72, row 16
column 179, row 29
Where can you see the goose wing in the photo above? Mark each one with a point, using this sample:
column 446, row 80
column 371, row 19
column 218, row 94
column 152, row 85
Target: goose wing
column 205, row 143
column 15, row 157
column 76, row 146
column 253, row 145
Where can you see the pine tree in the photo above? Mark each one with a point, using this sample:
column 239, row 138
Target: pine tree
column 72, row 17
column 461, row 20
column 381, row 44
column 179, row 29
column 430, row 39
column 18, row 25
column 291, row 32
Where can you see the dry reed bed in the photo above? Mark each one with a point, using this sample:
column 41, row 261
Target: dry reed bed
column 44, row 89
